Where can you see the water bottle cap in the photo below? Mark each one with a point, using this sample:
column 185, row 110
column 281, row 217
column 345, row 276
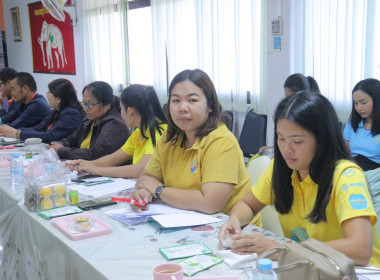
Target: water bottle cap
column 265, row 264
column 48, row 167
column 16, row 155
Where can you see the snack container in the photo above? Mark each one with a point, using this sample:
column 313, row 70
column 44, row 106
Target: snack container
column 96, row 227
column 51, row 196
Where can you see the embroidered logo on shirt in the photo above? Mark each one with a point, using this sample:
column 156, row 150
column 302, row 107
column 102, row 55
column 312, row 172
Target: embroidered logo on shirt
column 377, row 139
column 299, row 234
column 349, row 172
column 359, row 185
column 194, row 166
column 358, row 202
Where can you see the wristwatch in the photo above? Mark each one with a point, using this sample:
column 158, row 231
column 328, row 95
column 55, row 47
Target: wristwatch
column 158, row 191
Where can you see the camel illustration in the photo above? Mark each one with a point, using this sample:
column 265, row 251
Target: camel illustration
column 51, row 34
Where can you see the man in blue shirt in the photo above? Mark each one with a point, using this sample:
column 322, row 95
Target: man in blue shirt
column 35, row 107
column 10, row 109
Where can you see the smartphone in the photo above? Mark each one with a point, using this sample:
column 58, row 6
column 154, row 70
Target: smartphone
column 82, row 176
column 95, row 203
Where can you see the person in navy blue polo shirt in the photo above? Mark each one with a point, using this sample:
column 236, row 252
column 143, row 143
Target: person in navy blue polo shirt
column 11, row 110
column 35, row 107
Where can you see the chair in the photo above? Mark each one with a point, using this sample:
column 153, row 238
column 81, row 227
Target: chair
column 253, row 133
column 373, row 182
column 228, row 119
column 269, row 215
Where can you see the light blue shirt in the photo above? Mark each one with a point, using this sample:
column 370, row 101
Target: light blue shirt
column 362, row 142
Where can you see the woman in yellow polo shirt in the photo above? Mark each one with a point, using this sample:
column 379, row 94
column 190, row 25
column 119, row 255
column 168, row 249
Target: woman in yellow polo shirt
column 316, row 188
column 198, row 164
column 140, row 109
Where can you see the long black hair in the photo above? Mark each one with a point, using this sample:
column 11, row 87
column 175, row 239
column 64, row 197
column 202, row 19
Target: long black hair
column 143, row 99
column 314, row 113
column 203, row 81
column 372, row 88
column 297, row 82
column 65, row 91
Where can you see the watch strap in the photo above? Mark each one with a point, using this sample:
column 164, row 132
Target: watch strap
column 158, row 191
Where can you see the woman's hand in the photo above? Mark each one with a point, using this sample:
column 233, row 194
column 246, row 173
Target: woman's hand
column 87, row 166
column 8, row 131
column 231, row 227
column 73, row 164
column 251, row 243
column 149, row 183
column 54, row 145
column 141, row 195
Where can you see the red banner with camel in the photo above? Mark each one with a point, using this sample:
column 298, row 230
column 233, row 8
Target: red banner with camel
column 52, row 41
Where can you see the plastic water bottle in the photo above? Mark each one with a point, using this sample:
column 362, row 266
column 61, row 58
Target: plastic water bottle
column 265, row 271
column 17, row 171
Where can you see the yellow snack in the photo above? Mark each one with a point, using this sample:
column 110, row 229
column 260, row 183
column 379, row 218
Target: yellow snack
column 82, row 224
column 59, row 190
column 46, row 192
column 46, row 204
column 60, row 201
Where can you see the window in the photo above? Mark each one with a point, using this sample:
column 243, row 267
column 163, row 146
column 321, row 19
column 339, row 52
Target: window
column 338, row 42
column 140, row 44
column 218, row 36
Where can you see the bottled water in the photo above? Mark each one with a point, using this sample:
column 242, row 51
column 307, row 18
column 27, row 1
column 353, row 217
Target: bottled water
column 17, row 171
column 265, row 271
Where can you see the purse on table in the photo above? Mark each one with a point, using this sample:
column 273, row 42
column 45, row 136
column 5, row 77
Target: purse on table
column 311, row 260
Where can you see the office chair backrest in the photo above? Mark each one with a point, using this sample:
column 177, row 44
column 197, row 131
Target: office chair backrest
column 269, row 216
column 228, row 119
column 253, row 133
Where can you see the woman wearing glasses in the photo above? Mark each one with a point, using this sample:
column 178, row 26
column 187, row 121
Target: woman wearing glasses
column 102, row 132
column 63, row 120
column 140, row 109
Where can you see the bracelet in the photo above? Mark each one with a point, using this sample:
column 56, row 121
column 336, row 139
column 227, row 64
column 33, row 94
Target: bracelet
column 18, row 134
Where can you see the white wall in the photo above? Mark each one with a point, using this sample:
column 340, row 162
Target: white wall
column 20, row 53
column 278, row 63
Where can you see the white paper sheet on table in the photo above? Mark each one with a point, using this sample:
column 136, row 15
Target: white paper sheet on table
column 165, row 215
column 8, row 139
column 119, row 184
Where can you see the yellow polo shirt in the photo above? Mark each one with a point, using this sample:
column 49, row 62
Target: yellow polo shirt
column 349, row 199
column 213, row 158
column 137, row 146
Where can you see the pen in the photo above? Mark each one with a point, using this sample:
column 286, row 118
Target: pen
column 129, row 201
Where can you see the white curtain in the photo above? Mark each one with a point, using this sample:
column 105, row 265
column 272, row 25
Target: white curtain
column 106, row 41
column 222, row 37
column 337, row 43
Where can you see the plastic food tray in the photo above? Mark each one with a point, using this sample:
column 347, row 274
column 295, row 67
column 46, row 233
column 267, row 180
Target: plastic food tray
column 215, row 278
column 100, row 228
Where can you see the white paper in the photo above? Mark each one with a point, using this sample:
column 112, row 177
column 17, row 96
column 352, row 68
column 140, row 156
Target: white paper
column 8, row 139
column 117, row 185
column 165, row 215
column 153, row 209
column 183, row 220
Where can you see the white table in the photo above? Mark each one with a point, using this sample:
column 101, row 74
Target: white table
column 34, row 249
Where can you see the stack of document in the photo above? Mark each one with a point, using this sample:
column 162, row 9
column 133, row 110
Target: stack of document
column 165, row 215
column 109, row 187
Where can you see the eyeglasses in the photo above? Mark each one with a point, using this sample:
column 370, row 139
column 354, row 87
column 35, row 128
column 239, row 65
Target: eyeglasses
column 88, row 105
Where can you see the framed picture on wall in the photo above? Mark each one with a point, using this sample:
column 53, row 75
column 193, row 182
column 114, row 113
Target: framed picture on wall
column 16, row 26
column 52, row 41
